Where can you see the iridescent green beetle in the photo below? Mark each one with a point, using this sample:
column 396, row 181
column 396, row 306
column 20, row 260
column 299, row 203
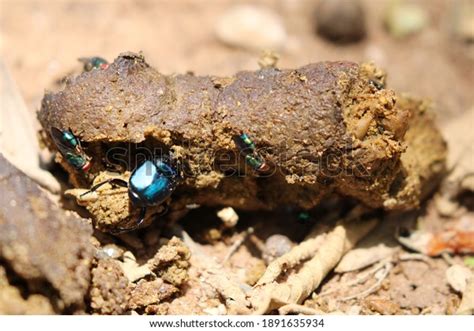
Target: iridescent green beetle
column 253, row 159
column 94, row 62
column 70, row 148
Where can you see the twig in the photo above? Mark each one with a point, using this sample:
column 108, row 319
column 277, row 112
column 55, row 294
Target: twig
column 292, row 259
column 235, row 246
column 387, row 267
column 447, row 258
column 212, row 274
column 234, row 297
column 360, row 278
column 415, row 256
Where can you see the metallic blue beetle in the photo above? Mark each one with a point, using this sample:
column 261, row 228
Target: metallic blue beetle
column 150, row 184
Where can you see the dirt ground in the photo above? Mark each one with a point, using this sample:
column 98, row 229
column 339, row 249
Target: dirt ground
column 40, row 42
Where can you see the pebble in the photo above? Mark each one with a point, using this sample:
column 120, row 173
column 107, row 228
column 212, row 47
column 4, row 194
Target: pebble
column 404, row 19
column 275, row 246
column 251, row 27
column 228, row 216
column 341, row 21
column 109, row 251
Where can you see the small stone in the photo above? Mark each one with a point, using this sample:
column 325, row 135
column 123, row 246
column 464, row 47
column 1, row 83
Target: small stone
column 109, row 251
column 251, row 27
column 228, row 216
column 276, row 245
column 341, row 21
column 404, row 19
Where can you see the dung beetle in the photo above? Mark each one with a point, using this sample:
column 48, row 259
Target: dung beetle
column 247, row 147
column 150, row 184
column 70, row 148
column 94, row 62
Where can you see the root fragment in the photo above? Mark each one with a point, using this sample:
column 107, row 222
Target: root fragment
column 234, row 297
column 298, row 285
column 293, row 309
column 232, row 292
column 237, row 244
column 380, row 276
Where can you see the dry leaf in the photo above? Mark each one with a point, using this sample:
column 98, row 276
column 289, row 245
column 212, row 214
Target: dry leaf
column 452, row 240
column 417, row 241
column 457, row 277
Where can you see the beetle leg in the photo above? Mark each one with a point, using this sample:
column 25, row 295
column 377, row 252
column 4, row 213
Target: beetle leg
column 139, row 222
column 113, row 181
column 162, row 212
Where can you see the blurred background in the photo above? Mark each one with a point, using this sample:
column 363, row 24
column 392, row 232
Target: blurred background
column 426, row 46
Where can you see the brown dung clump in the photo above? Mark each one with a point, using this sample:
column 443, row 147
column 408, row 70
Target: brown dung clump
column 323, row 128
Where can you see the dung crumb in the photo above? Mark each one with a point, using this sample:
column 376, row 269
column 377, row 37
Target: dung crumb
column 382, row 306
column 148, row 293
column 268, row 59
column 171, row 262
column 110, row 289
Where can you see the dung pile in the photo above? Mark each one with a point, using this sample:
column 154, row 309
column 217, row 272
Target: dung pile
column 323, row 128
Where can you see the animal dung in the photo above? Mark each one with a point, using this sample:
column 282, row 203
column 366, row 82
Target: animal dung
column 328, row 127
